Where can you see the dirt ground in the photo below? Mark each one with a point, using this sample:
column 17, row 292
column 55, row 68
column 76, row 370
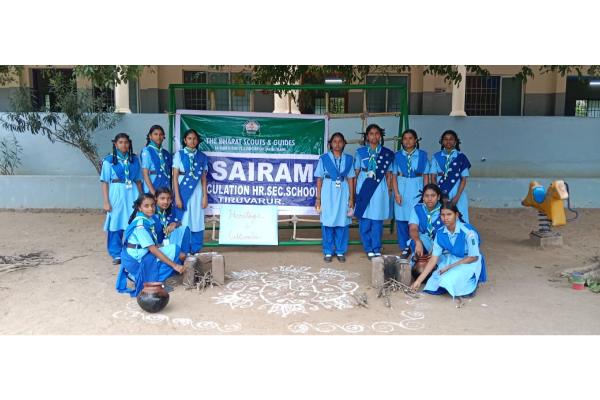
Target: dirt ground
column 56, row 278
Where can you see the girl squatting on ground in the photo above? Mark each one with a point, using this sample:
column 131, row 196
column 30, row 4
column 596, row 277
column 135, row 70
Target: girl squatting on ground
column 451, row 168
column 142, row 259
column 423, row 223
column 156, row 161
column 190, row 167
column 120, row 179
column 372, row 163
column 169, row 231
column 410, row 168
column 335, row 197
column 456, row 261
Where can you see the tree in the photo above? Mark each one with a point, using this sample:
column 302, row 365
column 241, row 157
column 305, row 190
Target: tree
column 77, row 115
column 290, row 74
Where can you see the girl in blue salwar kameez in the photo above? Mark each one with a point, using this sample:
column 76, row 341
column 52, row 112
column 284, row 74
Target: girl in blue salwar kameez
column 169, row 231
column 142, row 259
column 335, row 197
column 190, row 167
column 120, row 180
column 460, row 264
column 450, row 169
column 410, row 168
column 373, row 163
column 156, row 161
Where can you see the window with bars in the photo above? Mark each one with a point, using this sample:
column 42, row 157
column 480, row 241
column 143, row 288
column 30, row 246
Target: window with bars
column 337, row 105
column 493, row 95
column 384, row 100
column 194, row 99
column 107, row 95
column 482, row 95
column 587, row 108
column 217, row 99
column 43, row 95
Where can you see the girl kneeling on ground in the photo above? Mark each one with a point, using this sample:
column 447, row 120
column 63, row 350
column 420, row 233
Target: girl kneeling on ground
column 423, row 223
column 460, row 264
column 169, row 231
column 141, row 259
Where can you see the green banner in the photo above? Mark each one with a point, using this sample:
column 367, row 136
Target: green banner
column 256, row 134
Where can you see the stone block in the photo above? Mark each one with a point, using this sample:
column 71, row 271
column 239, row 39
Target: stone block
column 546, row 239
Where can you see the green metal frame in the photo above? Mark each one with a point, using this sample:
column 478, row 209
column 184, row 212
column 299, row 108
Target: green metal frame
column 403, row 124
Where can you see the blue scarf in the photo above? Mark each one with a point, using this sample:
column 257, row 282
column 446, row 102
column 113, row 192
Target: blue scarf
column 383, row 161
column 426, row 224
column 333, row 170
column 148, row 225
column 161, row 159
column 124, row 169
column 405, row 164
column 453, row 169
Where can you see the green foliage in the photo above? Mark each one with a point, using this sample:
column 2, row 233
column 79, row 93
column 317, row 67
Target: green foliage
column 79, row 118
column 108, row 75
column 10, row 159
column 8, row 73
column 291, row 74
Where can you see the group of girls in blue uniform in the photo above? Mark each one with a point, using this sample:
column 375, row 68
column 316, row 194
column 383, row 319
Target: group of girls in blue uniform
column 154, row 207
column 426, row 198
column 417, row 187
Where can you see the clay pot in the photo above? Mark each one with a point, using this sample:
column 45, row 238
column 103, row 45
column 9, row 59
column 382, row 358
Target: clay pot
column 153, row 297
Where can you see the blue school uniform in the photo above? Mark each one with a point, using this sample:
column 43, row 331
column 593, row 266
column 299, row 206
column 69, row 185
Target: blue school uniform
column 191, row 165
column 428, row 223
column 138, row 264
column 450, row 169
column 122, row 192
column 373, row 204
column 450, row 247
column 159, row 163
column 180, row 236
column 335, row 194
column 409, row 170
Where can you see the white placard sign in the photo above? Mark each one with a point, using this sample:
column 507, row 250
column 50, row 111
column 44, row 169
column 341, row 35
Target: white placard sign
column 251, row 225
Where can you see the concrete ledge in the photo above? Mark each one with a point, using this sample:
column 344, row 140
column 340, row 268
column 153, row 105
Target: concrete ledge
column 508, row 192
column 50, row 191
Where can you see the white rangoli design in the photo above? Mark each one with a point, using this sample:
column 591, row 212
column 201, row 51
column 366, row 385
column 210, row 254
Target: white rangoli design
column 411, row 321
column 289, row 290
column 133, row 312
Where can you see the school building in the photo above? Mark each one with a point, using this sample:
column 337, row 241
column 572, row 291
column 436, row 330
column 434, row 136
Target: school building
column 499, row 94
column 514, row 132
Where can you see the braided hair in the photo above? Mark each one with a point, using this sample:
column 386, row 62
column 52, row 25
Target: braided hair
column 130, row 154
column 152, row 129
column 412, row 132
column 371, row 126
column 138, row 202
column 450, row 132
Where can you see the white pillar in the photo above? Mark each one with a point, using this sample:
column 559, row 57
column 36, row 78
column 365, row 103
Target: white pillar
column 285, row 103
column 122, row 98
column 458, row 94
